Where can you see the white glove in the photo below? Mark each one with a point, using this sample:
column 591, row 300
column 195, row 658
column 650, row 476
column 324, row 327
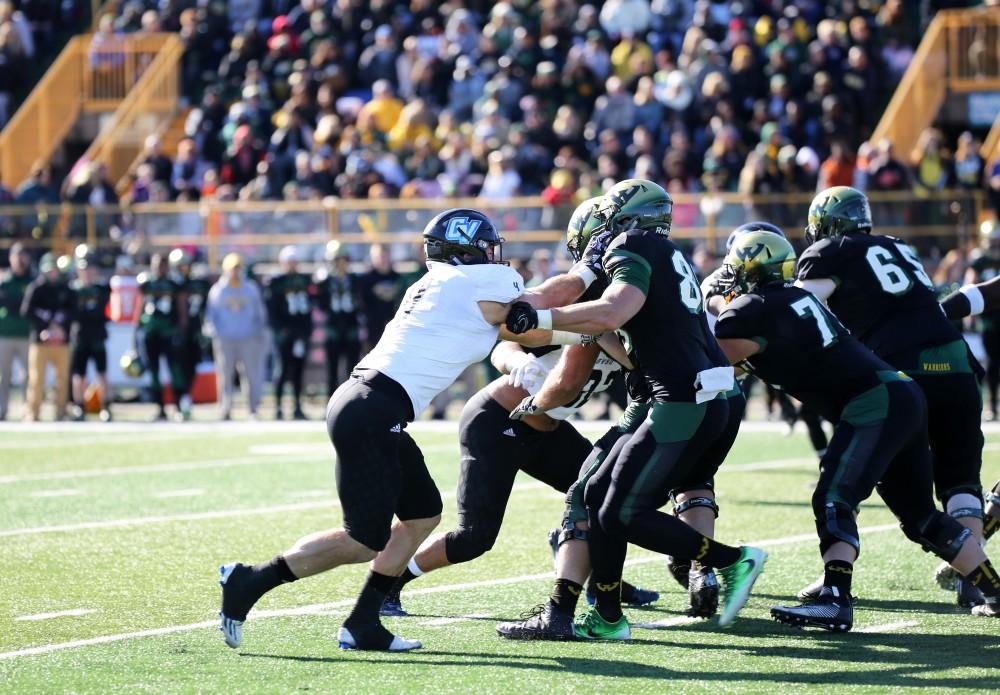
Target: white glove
column 525, row 407
column 525, row 371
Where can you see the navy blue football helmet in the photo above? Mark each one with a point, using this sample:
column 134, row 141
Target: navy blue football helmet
column 462, row 236
column 751, row 227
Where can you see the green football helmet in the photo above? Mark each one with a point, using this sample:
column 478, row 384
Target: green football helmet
column 756, row 259
column 335, row 250
column 132, row 364
column 637, row 204
column 837, row 211
column 581, row 226
column 179, row 257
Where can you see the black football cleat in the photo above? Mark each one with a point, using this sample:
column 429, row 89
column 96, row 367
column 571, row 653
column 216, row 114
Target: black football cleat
column 392, row 606
column 968, row 595
column 679, row 570
column 813, row 591
column 236, row 602
column 703, row 593
column 827, row 611
column 543, row 622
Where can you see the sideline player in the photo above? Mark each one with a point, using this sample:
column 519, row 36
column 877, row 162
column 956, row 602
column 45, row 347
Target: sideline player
column 289, row 304
column 546, row 446
column 693, row 418
column 447, row 321
column 90, row 333
column 784, row 335
column 338, row 297
column 159, row 323
column 878, row 289
column 191, row 341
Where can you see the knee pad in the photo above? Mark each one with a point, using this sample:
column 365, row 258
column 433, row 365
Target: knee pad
column 467, row 544
column 569, row 532
column 692, row 502
column 940, row 535
column 835, row 523
column 964, row 505
column 993, row 496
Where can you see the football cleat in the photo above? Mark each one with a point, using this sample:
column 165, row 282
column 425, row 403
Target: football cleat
column 543, row 622
column 737, row 581
column 591, row 626
column 829, row 611
column 987, row 609
column 632, row 595
column 703, row 593
column 679, row 570
column 813, row 591
column 234, row 610
column 968, row 595
column 946, row 577
column 392, row 606
column 374, row 638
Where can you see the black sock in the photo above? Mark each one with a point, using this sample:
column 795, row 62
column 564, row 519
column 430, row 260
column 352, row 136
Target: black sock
column 715, row 554
column 837, row 574
column 370, row 599
column 565, row 594
column 985, row 578
column 268, row 575
column 402, row 580
column 990, row 525
column 609, row 599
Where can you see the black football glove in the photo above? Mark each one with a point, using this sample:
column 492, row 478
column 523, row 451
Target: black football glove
column 593, row 255
column 521, row 318
column 525, row 407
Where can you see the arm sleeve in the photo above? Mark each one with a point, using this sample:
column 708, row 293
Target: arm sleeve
column 627, row 267
column 498, row 283
column 744, row 318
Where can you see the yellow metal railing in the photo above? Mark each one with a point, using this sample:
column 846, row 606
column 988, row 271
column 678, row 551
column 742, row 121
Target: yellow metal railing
column 960, row 53
column 257, row 228
column 150, row 103
column 88, row 75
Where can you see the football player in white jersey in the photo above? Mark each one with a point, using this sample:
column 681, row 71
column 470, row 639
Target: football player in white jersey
column 447, row 321
column 545, row 446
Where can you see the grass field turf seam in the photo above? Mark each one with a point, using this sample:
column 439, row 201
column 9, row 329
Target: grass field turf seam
column 921, row 640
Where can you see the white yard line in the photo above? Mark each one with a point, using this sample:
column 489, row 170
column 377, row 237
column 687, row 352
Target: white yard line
column 441, row 622
column 189, row 492
column 161, row 468
column 65, row 492
column 201, row 516
column 55, row 614
column 321, row 608
column 889, row 627
column 669, row 622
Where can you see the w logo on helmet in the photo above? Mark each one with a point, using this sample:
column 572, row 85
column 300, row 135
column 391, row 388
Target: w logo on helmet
column 748, row 253
column 461, row 229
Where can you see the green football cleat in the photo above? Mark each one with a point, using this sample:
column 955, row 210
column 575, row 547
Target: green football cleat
column 591, row 625
column 738, row 580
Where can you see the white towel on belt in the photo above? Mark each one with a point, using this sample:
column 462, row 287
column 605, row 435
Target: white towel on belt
column 711, row 382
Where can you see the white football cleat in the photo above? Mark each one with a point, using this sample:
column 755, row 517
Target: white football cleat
column 347, row 641
column 232, row 631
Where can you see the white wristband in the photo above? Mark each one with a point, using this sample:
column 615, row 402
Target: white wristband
column 581, row 270
column 545, row 319
column 977, row 303
column 565, row 338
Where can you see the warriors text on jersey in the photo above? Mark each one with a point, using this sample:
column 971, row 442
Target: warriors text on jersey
column 805, row 350
column 883, row 295
column 668, row 339
column 439, row 329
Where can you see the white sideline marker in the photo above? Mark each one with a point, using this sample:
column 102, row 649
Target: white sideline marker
column 320, row 608
column 65, row 492
column 54, row 614
column 889, row 627
column 189, row 492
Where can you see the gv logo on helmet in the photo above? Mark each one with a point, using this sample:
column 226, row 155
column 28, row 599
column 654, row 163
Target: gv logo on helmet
column 461, row 229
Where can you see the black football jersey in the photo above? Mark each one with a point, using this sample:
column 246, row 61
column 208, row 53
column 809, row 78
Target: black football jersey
column 883, row 295
column 91, row 316
column 196, row 291
column 805, row 350
column 338, row 299
column 289, row 303
column 668, row 339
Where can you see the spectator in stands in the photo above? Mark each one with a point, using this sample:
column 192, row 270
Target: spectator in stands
column 49, row 305
column 502, row 181
column 886, row 173
column 236, row 321
column 931, row 167
column 968, row 165
column 837, row 169
column 993, row 187
column 15, row 329
column 384, row 109
column 152, row 154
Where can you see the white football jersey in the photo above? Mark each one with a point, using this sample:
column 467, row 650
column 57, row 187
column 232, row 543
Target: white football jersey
column 600, row 379
column 439, row 329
